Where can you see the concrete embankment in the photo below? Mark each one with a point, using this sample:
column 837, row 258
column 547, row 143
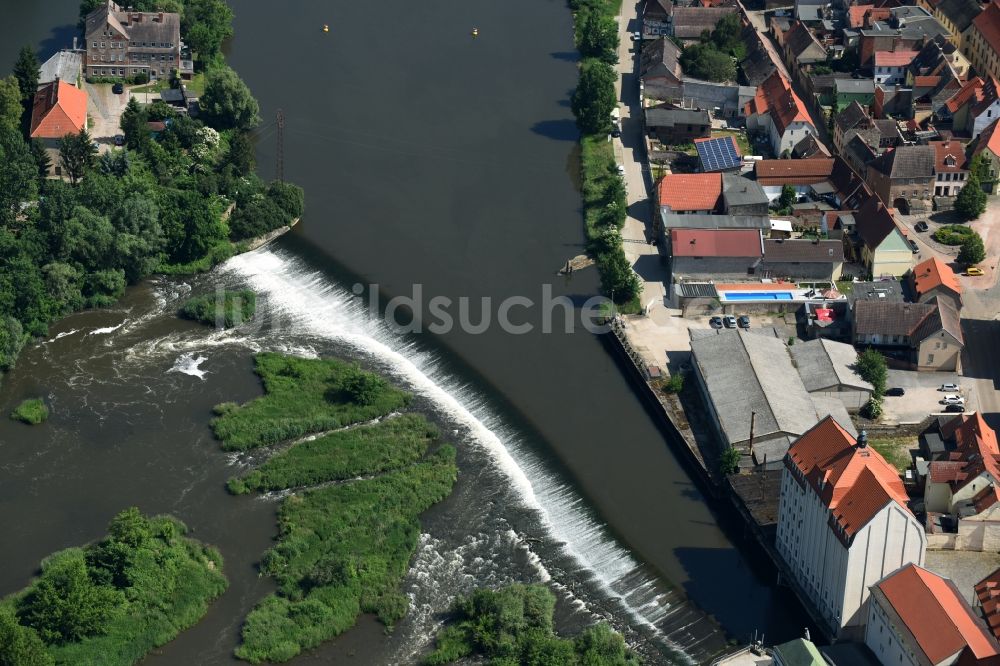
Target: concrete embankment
column 261, row 241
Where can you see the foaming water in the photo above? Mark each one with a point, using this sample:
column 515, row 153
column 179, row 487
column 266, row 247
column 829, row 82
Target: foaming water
column 189, row 364
column 308, row 302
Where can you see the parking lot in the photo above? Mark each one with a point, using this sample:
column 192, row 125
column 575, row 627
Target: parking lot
column 104, row 110
column 922, row 395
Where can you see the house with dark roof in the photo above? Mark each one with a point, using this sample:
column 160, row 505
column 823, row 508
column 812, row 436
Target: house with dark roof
column 904, row 177
column 722, row 254
column 843, row 524
column 988, row 145
column 689, row 22
column 852, row 120
column 801, row 47
column 724, row 100
column 779, row 112
column 656, row 16
column 742, row 196
column 802, row 259
column 880, row 244
column 810, row 148
column 934, row 279
column 926, row 335
column 660, row 70
column 758, row 64
column 918, row 617
column 982, row 42
column 848, row 90
column 974, row 106
column 956, row 16
column 123, row 43
column 671, row 126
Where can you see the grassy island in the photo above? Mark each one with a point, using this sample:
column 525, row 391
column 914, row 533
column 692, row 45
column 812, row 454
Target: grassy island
column 513, row 625
column 344, row 547
column 225, row 310
column 113, row 601
column 32, row 412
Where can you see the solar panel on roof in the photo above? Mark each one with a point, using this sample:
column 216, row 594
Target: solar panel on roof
column 717, row 154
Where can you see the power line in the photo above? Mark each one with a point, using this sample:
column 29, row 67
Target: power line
column 281, row 146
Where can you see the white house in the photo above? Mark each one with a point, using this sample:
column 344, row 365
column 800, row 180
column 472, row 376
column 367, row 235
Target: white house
column 917, row 618
column 890, row 66
column 778, row 110
column 843, row 523
column 973, row 466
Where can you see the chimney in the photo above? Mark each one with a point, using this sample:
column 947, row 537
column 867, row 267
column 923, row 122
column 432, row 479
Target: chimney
column 863, row 440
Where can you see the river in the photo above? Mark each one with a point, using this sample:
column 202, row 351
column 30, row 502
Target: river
column 429, row 158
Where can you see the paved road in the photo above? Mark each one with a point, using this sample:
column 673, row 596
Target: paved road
column 104, row 109
column 645, row 258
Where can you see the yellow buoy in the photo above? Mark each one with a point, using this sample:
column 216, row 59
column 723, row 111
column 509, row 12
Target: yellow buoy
column 475, row 32
column 326, row 28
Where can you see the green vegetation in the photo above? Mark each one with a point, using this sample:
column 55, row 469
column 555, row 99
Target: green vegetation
column 112, row 602
column 594, row 98
column 32, row 412
column 872, row 368
column 345, row 454
column 225, row 309
column 971, row 200
column 513, row 625
column 675, row 384
column 155, row 205
column 980, row 168
column 712, row 58
column 896, row 450
column 597, row 35
column 739, row 137
column 953, row 234
column 729, row 461
column 784, row 203
column 302, row 396
column 973, row 251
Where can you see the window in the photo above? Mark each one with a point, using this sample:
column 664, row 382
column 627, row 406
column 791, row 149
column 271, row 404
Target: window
column 102, row 45
column 930, row 358
column 95, row 45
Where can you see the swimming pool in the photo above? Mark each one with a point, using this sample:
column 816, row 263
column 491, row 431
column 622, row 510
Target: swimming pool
column 757, row 295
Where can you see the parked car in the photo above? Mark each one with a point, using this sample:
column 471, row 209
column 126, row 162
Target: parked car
column 949, row 387
column 743, row 321
column 914, row 248
column 118, row 89
column 730, row 321
column 921, row 225
column 715, row 322
column 635, row 36
column 621, row 170
column 895, row 391
column 616, row 130
column 974, row 272
column 953, row 400
column 119, row 139
column 954, row 408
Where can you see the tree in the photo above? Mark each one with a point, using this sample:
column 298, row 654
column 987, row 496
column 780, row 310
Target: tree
column 205, row 24
column 41, row 156
column 12, row 338
column 597, row 36
column 10, row 103
column 872, row 367
column 133, row 124
column 971, row 200
column 227, row 102
column 77, row 153
column 87, row 6
column 787, row 197
column 705, row 61
column 288, row 197
column 594, row 97
column 729, row 461
column 65, row 604
column 834, row 110
column 618, row 280
column 241, row 153
column 20, row 646
column 26, row 72
column 727, row 36
column 361, row 387
column 18, row 169
column 972, row 251
column 980, row 168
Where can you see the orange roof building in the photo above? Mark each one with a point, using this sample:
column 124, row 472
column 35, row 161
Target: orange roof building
column 59, row 109
column 689, row 192
column 916, row 612
column 935, row 278
column 983, row 40
column 988, row 595
column 955, row 483
column 843, row 522
column 780, row 111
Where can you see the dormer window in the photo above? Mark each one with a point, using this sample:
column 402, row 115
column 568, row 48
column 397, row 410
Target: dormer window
column 949, row 161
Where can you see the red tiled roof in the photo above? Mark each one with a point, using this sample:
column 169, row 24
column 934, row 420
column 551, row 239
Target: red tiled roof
column 946, row 471
column 990, row 138
column 971, row 91
column 793, row 172
column 986, row 498
column 775, row 96
column 59, row 109
column 715, row 243
column 854, row 482
column 926, row 81
column 988, row 24
column 945, row 149
column 936, row 615
column 976, row 447
column 894, row 58
column 988, row 592
column 690, row 191
column 933, row 273
column 858, row 14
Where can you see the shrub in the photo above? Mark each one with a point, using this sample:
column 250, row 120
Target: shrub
column 872, row 368
column 952, row 234
column 873, row 408
column 675, row 384
column 223, row 309
column 972, row 251
column 32, row 412
column 729, row 461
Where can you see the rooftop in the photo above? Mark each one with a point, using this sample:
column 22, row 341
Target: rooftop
column 707, row 221
column 58, row 109
column 715, row 242
column 884, row 291
column 694, row 192
column 988, row 24
column 776, row 97
column 989, row 138
column 65, row 65
column 803, row 250
column 894, row 58
column 824, row 364
column 934, row 273
column 798, row 172
column 988, row 593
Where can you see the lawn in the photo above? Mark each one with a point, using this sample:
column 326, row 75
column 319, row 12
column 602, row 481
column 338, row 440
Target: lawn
column 896, row 450
column 845, row 286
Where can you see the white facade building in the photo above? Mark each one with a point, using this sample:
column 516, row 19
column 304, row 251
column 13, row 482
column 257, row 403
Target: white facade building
column 843, row 522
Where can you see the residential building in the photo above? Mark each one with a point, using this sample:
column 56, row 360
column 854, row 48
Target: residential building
column 748, row 381
column 904, row 177
column 934, row 279
column 928, row 334
column 715, row 253
column 742, row 196
column 724, row 100
column 974, row 106
column 802, row 259
column 881, row 291
column 951, row 169
column 720, row 153
column 778, row 111
column 672, row 126
column 670, row 221
column 58, row 109
column 124, row 43
column 883, row 248
column 801, row 47
column 656, row 16
column 810, row 148
column 956, row 16
column 63, row 66
column 689, row 193
column 660, row 69
column 810, row 10
column 982, row 44
column 828, row 368
column 917, row 617
column 689, row 22
column 761, row 59
column 988, row 601
column 847, row 91
column 934, row 76
column 843, row 523
column 988, row 145
column 890, row 66
column 906, row 28
column 798, row 173
column 851, row 121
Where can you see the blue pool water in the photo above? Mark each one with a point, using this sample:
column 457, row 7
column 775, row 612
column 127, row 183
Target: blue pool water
column 757, row 295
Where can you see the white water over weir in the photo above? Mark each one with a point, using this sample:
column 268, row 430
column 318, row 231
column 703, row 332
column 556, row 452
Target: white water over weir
column 313, row 305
